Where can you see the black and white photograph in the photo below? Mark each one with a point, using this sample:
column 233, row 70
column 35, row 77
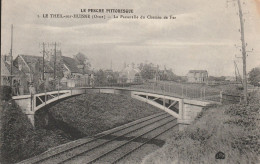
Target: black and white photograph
column 130, row 82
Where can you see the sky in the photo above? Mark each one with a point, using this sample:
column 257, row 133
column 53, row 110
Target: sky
column 202, row 37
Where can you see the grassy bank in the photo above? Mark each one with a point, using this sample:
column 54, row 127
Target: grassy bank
column 18, row 138
column 231, row 129
column 93, row 113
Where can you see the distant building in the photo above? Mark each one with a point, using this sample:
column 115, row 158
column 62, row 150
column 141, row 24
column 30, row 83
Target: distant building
column 230, row 78
column 71, row 69
column 197, row 76
column 73, row 73
column 129, row 74
column 18, row 77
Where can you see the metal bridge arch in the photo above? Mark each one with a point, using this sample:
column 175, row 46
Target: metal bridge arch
column 176, row 106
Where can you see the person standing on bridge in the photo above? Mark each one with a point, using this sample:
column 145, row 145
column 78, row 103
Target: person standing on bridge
column 92, row 80
column 31, row 89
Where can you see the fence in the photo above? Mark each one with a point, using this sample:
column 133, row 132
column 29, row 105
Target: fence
column 227, row 98
column 194, row 91
column 254, row 89
column 128, row 83
column 230, row 98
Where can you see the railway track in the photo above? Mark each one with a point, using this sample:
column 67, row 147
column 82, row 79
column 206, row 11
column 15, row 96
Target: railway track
column 123, row 150
column 104, row 144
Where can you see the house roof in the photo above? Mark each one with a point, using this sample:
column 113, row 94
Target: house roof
column 30, row 60
column 129, row 72
column 15, row 71
column 71, row 64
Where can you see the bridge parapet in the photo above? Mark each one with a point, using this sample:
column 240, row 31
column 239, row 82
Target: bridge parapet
column 191, row 108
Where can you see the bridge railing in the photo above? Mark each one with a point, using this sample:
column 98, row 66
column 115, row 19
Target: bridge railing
column 192, row 91
column 182, row 90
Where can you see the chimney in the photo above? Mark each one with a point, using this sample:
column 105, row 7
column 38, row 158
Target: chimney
column 7, row 59
column 124, row 65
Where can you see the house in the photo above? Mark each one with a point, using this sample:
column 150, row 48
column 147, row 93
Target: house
column 32, row 66
column 70, row 69
column 18, row 77
column 73, row 75
column 129, row 74
column 197, row 76
column 230, row 78
column 65, row 68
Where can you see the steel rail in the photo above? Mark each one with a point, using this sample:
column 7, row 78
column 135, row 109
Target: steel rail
column 146, row 142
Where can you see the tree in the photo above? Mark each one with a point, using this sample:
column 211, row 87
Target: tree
column 83, row 62
column 254, row 76
column 148, row 71
column 101, row 77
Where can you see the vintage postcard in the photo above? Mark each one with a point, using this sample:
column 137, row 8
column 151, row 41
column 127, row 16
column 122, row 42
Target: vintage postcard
column 130, row 81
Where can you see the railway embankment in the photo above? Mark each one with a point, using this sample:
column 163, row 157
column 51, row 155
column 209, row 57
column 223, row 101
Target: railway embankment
column 223, row 134
column 86, row 114
column 18, row 138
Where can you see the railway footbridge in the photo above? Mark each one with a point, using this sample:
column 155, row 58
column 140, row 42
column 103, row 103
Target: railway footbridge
column 184, row 109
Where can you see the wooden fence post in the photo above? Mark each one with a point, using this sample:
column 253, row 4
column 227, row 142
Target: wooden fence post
column 32, row 102
column 182, row 90
column 204, row 93
column 221, row 96
column 164, row 88
column 45, row 97
column 58, row 89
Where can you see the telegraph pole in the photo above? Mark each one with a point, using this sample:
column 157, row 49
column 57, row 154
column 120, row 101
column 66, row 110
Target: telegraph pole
column 11, row 57
column 43, row 54
column 55, row 60
column 238, row 76
column 156, row 75
column 243, row 50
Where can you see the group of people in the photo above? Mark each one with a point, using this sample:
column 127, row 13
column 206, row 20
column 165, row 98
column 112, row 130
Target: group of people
column 17, row 89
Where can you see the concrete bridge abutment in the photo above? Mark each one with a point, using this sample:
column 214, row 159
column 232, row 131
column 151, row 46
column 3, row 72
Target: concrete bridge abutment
column 26, row 103
column 189, row 110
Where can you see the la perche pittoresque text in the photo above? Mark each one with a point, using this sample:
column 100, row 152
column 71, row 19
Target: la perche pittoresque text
column 104, row 14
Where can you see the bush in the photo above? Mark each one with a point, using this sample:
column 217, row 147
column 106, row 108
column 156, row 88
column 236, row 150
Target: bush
column 5, row 92
column 244, row 115
column 231, row 129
